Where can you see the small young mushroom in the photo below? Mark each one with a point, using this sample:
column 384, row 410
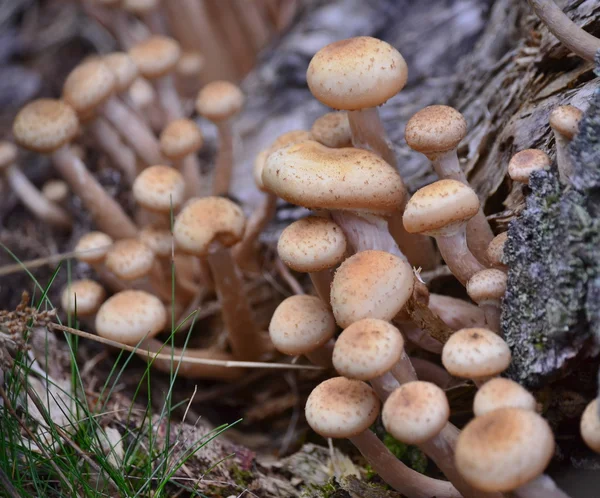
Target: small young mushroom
column 333, row 130
column 478, row 354
column 130, row 259
column 344, row 408
column 304, row 325
column 590, row 426
column 523, row 163
column 502, row 393
column 219, row 101
column 47, row 126
column 495, row 251
column 27, row 192
column 435, row 132
column 508, row 450
column 56, row 191
column 487, row 289
column 315, row 246
column 82, row 297
column 188, row 72
column 358, row 75
column 564, row 121
column 442, row 210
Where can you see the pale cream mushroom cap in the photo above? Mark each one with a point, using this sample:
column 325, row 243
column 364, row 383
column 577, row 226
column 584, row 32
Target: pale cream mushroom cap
column 301, row 324
column 219, row 100
column 311, row 175
column 565, row 120
column 190, row 64
column 82, row 296
column 290, row 138
column 180, row 138
column 475, row 353
column 495, row 250
column 502, row 393
column 523, row 163
column 208, row 220
column 156, row 56
column 333, row 130
column 8, row 154
column 123, row 68
column 435, row 129
column 93, row 247
column 312, row 244
column 341, row 408
column 367, row 349
column 159, row 189
column 440, row 207
column 590, row 426
column 504, row 449
column 129, row 259
column 486, row 286
column 130, row 316
column 370, row 284
column 141, row 92
column 416, row 412
column 88, row 86
column 356, row 73
column 45, row 125
column 55, row 191
column 159, row 240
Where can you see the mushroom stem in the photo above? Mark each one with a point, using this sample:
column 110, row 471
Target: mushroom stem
column 368, row 133
column 542, row 487
column 224, row 163
column 492, row 313
column 322, row 355
column 169, row 98
column 419, row 336
column 572, row 36
column 400, row 477
column 458, row 314
column 384, row 385
column 321, row 281
column 419, row 249
column 563, row 158
column 456, row 254
column 190, row 169
column 107, row 214
column 403, row 371
column 430, row 372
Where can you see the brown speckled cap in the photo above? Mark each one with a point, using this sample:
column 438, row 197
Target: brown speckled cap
column 504, row 449
column 290, row 138
column 180, row 138
column 502, row 393
column 312, row 244
column 219, row 100
column 435, row 129
column 370, row 284
column 311, row 175
column 93, row 247
column 495, row 250
column 475, row 353
column 88, row 85
column 301, row 324
column 416, row 412
column 441, row 205
column 523, row 163
column 129, row 259
column 129, row 316
column 8, row 154
column 159, row 240
column 333, row 130
column 123, row 68
column 565, row 120
column 356, row 73
column 207, row 220
column 156, row 56
column 487, row 286
column 45, row 125
column 590, row 426
column 367, row 349
column 82, row 296
column 341, row 408
column 159, row 189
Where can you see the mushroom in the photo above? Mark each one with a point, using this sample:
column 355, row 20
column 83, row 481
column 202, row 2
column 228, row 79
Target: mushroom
column 442, row 210
column 495, row 251
column 564, row 121
column 417, row 413
column 179, row 142
column 47, row 126
column 206, row 228
column 435, row 132
column 458, row 314
column 358, row 75
column 523, row 163
column 502, row 393
column 219, row 101
column 508, row 450
column 189, row 72
column 590, row 426
column 332, row 130
column 56, row 191
column 315, row 246
column 478, row 354
column 304, row 325
column 344, row 408
column 92, row 249
column 487, row 289
column 82, row 298
column 43, row 209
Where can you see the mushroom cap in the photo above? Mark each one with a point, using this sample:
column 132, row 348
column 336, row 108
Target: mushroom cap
column 93, row 247
column 257, row 170
column 475, row 353
column 416, row 412
column 207, row 220
column 140, row 7
column 55, row 191
column 502, row 393
column 311, row 175
column 159, row 189
column 435, row 129
column 290, row 138
column 495, row 250
column 301, row 324
column 130, row 316
column 504, row 449
column 159, row 240
column 180, row 138
column 88, row 86
column 129, row 259
column 370, row 284
column 440, row 207
column 190, row 64
column 45, row 125
column 341, row 408
column 8, row 154
column 156, row 56
column 332, row 130
column 219, row 100
column 356, row 73
column 590, row 426
column 124, row 69
column 141, row 92
column 82, row 296
column 312, row 244
column 487, row 286
column 523, row 163
column 565, row 120
column 367, row 349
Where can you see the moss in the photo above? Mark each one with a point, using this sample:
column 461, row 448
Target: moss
column 327, row 490
column 241, row 477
